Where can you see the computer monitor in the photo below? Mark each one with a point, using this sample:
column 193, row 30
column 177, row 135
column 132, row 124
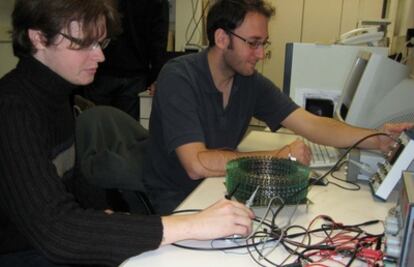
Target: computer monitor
column 318, row 71
column 395, row 106
column 364, row 93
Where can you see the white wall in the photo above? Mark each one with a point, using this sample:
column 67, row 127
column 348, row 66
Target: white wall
column 187, row 15
column 405, row 16
column 6, row 7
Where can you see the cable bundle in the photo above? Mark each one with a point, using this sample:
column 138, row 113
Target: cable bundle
column 275, row 177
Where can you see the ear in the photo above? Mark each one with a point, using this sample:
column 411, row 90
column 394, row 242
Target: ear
column 37, row 38
column 221, row 38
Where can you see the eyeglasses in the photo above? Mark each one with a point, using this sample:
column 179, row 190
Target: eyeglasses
column 80, row 44
column 252, row 44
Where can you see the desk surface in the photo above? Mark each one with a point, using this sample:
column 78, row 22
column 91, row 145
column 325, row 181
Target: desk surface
column 348, row 207
column 266, row 140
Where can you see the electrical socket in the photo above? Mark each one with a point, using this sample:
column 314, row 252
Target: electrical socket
column 410, row 37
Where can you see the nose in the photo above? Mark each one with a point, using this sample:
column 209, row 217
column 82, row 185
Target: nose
column 98, row 54
column 260, row 52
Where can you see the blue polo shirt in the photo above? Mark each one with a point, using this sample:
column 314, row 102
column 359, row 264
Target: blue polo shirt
column 187, row 108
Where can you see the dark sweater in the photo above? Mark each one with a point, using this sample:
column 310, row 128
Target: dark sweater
column 43, row 203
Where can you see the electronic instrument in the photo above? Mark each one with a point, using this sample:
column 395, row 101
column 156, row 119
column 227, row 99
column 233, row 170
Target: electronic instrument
column 399, row 159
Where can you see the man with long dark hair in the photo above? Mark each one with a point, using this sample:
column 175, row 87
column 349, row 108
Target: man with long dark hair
column 49, row 214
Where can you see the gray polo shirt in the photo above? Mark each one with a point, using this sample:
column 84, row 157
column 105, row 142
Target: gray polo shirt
column 187, row 108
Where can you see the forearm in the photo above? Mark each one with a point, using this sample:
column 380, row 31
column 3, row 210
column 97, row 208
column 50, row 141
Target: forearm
column 328, row 131
column 335, row 133
column 176, row 228
column 213, row 162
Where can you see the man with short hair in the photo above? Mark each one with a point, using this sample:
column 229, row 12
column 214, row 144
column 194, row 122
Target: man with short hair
column 50, row 215
column 204, row 103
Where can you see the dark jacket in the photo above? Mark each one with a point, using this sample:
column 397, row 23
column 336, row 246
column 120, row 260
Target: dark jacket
column 142, row 45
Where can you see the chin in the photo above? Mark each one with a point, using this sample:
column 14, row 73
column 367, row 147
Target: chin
column 247, row 72
column 82, row 83
column 86, row 81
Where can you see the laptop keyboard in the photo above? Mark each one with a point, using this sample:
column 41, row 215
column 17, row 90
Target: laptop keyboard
column 322, row 156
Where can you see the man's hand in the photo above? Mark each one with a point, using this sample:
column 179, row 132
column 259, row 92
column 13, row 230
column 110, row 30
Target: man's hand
column 385, row 143
column 152, row 88
column 224, row 218
column 297, row 150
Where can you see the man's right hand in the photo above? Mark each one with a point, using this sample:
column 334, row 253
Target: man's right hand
column 224, row 218
column 297, row 150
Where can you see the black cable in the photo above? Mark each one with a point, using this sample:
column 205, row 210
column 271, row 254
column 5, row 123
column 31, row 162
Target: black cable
column 230, row 194
column 279, row 209
column 214, row 249
column 351, row 228
column 295, row 252
column 339, row 161
column 305, row 231
column 357, row 186
column 185, row 211
column 354, row 254
column 362, row 224
column 260, row 254
column 280, row 240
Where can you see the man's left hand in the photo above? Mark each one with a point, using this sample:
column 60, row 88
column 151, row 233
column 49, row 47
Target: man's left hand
column 151, row 89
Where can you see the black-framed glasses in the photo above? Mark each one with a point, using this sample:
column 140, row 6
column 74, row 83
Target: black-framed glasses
column 252, row 44
column 81, row 44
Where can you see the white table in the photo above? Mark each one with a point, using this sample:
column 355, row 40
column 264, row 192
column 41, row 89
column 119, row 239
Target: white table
column 348, row 207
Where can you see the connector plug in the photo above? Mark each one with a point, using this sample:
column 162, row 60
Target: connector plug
column 250, row 201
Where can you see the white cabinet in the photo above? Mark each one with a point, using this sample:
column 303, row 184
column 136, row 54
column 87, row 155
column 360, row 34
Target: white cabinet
column 321, row 21
column 8, row 60
column 315, row 21
column 283, row 28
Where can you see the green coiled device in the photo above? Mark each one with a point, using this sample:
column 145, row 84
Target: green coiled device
column 284, row 178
